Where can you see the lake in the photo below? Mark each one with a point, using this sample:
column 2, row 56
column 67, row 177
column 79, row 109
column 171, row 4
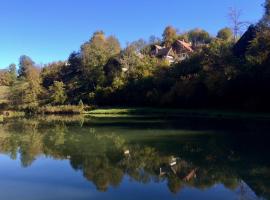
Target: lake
column 77, row 158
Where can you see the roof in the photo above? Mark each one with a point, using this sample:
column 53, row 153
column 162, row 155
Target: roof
column 185, row 45
column 164, row 51
column 158, row 47
column 243, row 43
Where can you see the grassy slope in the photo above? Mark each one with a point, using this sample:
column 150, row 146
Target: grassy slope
column 110, row 112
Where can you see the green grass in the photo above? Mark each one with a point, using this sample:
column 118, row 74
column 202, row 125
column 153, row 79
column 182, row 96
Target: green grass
column 116, row 112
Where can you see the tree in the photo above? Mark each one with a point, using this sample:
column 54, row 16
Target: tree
column 265, row 21
column 225, row 34
column 26, row 65
column 52, row 72
column 113, row 46
column 58, row 94
column 154, row 40
column 169, row 35
column 237, row 24
column 95, row 54
column 198, row 37
column 139, row 45
column 12, row 71
column 25, row 93
column 8, row 76
column 112, row 70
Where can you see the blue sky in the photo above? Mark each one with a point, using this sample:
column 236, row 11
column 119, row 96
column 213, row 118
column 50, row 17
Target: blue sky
column 49, row 30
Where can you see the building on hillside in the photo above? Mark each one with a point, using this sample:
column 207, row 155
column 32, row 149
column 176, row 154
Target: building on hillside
column 177, row 52
column 182, row 49
column 242, row 45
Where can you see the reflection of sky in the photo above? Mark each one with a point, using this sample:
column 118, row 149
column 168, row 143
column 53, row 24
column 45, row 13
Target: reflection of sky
column 47, row 178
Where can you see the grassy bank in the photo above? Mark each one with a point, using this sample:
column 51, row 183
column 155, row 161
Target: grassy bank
column 60, row 110
column 115, row 112
column 140, row 112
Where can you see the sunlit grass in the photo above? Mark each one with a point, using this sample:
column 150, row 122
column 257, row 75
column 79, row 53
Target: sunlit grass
column 116, row 112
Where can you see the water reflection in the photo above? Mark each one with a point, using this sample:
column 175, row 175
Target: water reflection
column 145, row 151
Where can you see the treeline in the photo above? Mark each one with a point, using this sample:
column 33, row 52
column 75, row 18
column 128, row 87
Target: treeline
column 221, row 73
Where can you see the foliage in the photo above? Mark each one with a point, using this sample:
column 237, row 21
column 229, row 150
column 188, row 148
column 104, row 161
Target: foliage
column 57, row 93
column 225, row 34
column 8, row 76
column 199, row 37
column 169, row 35
column 218, row 74
column 4, row 93
column 265, row 21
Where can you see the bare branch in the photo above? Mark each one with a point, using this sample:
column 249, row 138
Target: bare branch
column 237, row 25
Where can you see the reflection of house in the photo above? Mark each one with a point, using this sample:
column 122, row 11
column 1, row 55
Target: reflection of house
column 179, row 51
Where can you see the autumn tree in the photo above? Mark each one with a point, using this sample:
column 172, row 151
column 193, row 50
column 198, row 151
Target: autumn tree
column 26, row 65
column 8, row 76
column 27, row 89
column 169, row 35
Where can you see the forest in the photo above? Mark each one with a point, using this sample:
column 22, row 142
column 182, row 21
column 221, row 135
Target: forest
column 226, row 71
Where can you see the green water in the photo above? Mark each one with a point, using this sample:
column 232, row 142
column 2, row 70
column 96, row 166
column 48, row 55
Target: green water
column 134, row 158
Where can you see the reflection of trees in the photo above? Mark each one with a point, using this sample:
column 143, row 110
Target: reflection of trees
column 101, row 159
column 25, row 139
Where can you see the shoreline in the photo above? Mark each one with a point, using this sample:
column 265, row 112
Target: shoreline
column 153, row 112
column 165, row 112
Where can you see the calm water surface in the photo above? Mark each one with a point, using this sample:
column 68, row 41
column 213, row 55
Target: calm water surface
column 55, row 158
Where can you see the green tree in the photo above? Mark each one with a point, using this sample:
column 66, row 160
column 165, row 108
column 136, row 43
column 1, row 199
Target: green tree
column 24, row 95
column 52, row 72
column 95, row 54
column 199, row 37
column 225, row 34
column 58, row 94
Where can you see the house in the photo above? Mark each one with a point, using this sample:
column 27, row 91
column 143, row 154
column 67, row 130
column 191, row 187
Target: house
column 177, row 52
column 163, row 53
column 242, row 45
column 182, row 49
